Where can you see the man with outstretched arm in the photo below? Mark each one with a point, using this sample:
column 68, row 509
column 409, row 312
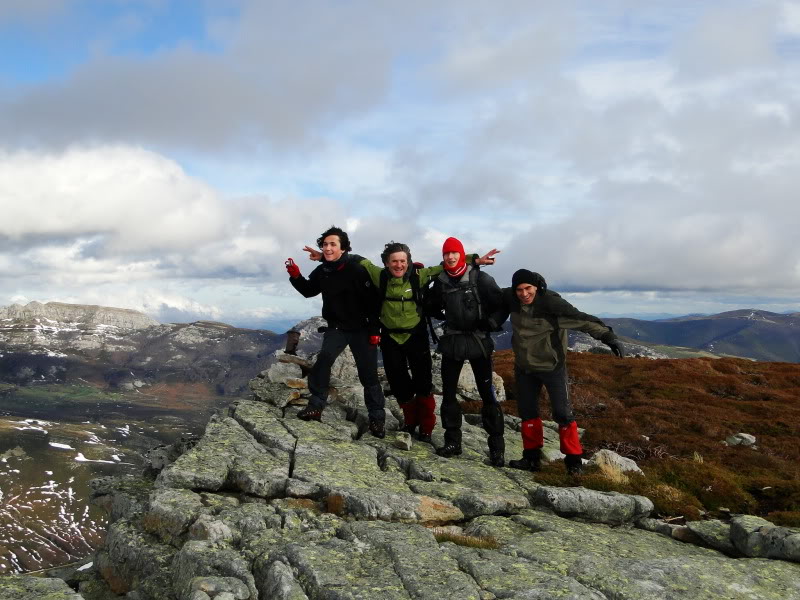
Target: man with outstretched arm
column 348, row 305
column 464, row 297
column 540, row 319
column 404, row 337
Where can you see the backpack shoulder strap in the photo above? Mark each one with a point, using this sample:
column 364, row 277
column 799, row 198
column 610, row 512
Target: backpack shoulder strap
column 384, row 283
column 413, row 279
column 473, row 282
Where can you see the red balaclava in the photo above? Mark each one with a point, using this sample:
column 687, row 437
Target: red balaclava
column 451, row 244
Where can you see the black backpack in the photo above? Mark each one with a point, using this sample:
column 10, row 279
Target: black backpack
column 418, row 294
column 469, row 297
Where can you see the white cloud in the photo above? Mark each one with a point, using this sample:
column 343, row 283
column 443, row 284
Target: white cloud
column 610, row 146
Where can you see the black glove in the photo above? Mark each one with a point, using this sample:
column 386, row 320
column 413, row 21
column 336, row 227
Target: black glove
column 616, row 347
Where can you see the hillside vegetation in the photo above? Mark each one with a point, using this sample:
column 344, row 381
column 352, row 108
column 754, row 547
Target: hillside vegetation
column 672, row 417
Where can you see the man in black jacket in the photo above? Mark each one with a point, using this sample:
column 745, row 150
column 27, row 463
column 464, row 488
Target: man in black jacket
column 348, row 305
column 464, row 297
column 540, row 319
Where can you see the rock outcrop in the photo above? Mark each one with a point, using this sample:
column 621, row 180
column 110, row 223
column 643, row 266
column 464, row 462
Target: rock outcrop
column 267, row 506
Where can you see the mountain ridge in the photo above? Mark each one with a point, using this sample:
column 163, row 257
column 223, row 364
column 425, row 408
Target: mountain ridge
column 749, row 333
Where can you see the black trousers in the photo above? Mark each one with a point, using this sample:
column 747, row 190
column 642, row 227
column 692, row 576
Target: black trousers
column 451, row 410
column 366, row 356
column 413, row 355
column 529, row 387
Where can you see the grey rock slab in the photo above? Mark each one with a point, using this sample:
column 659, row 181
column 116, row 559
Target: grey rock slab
column 280, row 583
column 215, row 587
column 172, row 512
column 279, row 372
column 757, row 537
column 339, row 570
column 275, row 394
column 334, row 425
column 474, row 487
column 599, row 507
column 716, row 534
column 209, row 529
column 265, row 424
column 131, row 559
column 426, row 572
column 507, row 576
column 626, row 563
column 229, row 457
column 23, row 587
column 348, row 476
column 121, row 497
column 218, row 561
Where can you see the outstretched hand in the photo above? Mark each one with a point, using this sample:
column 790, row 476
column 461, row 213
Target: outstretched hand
column 617, row 348
column 292, row 268
column 313, row 253
column 488, row 258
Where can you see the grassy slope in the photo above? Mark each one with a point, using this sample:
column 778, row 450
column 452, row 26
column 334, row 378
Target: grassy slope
column 671, row 416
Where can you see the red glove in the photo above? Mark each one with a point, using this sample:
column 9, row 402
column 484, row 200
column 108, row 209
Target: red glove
column 374, row 340
column 292, row 269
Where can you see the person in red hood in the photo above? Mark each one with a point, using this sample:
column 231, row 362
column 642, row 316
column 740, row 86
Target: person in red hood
column 465, row 298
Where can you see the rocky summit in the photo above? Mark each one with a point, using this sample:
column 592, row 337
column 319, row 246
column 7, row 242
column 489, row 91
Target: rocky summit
column 268, row 506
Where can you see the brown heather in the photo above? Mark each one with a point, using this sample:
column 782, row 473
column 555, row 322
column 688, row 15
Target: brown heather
column 671, row 417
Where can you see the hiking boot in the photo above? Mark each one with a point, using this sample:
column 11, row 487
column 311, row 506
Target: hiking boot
column 309, row 413
column 376, row 428
column 449, row 450
column 425, row 437
column 574, row 464
column 410, row 429
column 531, row 460
column 497, row 458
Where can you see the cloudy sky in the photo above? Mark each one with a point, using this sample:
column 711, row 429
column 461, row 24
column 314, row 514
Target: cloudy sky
column 169, row 155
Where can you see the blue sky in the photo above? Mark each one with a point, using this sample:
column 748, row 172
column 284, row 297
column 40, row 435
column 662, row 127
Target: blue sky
column 168, row 156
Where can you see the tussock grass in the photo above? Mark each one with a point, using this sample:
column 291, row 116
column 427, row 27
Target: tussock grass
column 443, row 534
column 671, row 417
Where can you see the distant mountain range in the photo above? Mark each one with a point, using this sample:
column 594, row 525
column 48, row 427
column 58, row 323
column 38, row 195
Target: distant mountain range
column 57, row 342
column 121, row 348
column 748, row 333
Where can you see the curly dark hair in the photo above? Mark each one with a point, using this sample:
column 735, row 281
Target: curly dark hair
column 393, row 247
column 344, row 240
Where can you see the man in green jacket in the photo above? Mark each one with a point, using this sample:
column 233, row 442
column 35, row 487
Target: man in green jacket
column 404, row 337
column 540, row 319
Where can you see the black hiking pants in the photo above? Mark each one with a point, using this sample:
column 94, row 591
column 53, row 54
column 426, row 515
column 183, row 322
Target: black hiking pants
column 529, row 387
column 413, row 355
column 451, row 410
column 366, row 356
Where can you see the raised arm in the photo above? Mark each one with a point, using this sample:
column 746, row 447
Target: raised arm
column 488, row 258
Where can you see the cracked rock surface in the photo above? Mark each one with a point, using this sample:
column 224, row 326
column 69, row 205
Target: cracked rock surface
column 267, row 506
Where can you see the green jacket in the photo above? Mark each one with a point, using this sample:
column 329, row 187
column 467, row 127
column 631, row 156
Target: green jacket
column 404, row 314
column 539, row 330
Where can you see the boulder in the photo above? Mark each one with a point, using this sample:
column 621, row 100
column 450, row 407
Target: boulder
column 757, row 537
column 600, row 507
column 715, row 534
column 741, row 439
column 611, row 460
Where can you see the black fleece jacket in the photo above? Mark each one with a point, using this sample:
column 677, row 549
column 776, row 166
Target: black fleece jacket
column 348, row 296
